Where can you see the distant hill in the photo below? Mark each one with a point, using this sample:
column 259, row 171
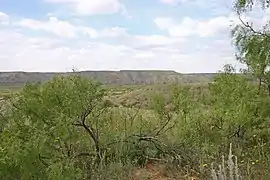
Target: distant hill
column 123, row 77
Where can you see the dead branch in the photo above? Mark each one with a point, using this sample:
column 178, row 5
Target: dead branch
column 171, row 127
column 132, row 118
column 169, row 118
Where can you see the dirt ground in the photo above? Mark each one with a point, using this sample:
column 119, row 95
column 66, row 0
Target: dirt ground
column 153, row 171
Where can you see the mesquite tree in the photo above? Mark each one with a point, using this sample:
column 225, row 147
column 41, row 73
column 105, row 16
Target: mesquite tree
column 253, row 44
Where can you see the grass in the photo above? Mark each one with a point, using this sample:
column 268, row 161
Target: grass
column 7, row 89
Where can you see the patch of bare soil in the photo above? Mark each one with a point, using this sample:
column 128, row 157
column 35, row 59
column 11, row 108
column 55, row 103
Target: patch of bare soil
column 153, row 171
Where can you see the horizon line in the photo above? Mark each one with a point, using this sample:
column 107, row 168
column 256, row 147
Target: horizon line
column 101, row 70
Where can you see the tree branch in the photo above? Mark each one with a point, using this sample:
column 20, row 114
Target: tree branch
column 251, row 28
column 90, row 130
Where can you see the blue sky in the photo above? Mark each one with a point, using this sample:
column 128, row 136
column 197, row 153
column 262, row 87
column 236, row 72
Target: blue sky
column 58, row 35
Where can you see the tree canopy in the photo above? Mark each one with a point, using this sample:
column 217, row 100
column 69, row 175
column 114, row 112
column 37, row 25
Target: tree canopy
column 244, row 5
column 252, row 44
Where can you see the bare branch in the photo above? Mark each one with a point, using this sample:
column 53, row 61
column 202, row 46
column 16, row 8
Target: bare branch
column 90, row 130
column 171, row 127
column 169, row 118
column 132, row 118
column 251, row 28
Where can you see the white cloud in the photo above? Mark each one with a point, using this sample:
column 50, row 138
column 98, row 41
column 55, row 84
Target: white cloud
column 164, row 23
column 65, row 29
column 58, row 27
column 190, row 27
column 171, row 1
column 154, row 40
column 4, row 18
column 198, row 3
column 89, row 7
column 113, row 32
column 21, row 52
column 125, row 51
column 213, row 7
column 212, row 26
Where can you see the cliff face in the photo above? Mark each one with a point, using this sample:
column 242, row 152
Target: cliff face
column 123, row 77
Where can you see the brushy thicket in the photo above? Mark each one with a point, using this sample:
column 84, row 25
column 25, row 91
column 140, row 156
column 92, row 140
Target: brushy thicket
column 66, row 129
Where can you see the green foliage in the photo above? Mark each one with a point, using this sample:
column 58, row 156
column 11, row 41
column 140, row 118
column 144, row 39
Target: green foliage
column 72, row 128
column 68, row 128
column 41, row 139
column 239, row 108
column 252, row 47
column 251, row 110
column 244, row 5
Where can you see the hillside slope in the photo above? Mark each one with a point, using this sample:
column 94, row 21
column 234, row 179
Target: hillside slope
column 123, row 77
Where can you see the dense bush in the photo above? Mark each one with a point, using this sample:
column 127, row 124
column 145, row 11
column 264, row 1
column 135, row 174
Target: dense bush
column 67, row 128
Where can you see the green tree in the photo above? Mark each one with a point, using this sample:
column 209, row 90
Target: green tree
column 244, row 5
column 252, row 45
column 52, row 125
column 239, row 109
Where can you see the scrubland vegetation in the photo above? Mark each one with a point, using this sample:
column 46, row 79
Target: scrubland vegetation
column 74, row 128
column 68, row 128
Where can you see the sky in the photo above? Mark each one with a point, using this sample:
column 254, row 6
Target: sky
column 188, row 36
